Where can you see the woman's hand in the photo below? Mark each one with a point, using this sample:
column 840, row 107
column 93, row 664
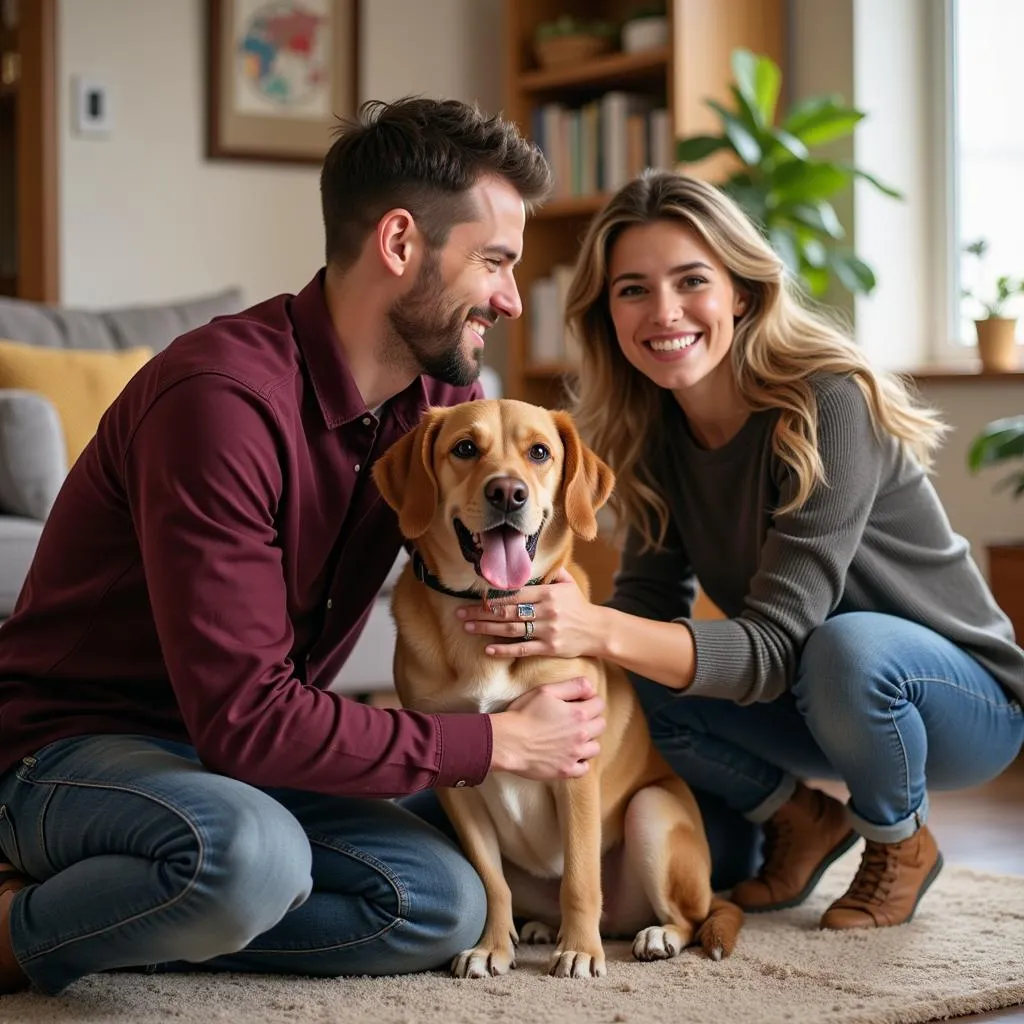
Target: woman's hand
column 564, row 624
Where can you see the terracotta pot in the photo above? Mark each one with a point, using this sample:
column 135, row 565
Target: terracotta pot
column 1006, row 578
column 997, row 345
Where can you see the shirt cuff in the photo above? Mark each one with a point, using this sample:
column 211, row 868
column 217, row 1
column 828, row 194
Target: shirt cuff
column 465, row 743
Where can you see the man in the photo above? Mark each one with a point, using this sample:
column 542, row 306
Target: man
column 177, row 786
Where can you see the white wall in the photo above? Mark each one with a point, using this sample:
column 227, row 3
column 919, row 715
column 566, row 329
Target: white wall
column 144, row 217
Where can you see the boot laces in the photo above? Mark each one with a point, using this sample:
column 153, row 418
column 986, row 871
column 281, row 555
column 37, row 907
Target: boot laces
column 876, row 874
column 778, row 842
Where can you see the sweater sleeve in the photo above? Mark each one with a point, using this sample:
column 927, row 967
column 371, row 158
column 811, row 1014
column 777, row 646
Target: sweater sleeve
column 804, row 561
column 656, row 583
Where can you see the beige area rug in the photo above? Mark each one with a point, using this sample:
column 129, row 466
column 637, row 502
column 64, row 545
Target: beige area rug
column 963, row 953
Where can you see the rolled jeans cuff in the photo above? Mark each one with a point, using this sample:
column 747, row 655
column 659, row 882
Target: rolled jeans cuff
column 773, row 801
column 894, row 833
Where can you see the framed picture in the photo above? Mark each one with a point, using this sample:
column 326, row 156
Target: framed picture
column 280, row 73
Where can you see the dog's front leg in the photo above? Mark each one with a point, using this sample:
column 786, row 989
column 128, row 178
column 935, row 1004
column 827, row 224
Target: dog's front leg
column 495, row 953
column 579, row 953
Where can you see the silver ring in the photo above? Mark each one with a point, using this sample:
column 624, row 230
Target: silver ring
column 527, row 630
column 526, row 611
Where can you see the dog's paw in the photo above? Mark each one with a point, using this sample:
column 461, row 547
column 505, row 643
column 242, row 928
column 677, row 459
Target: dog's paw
column 536, row 933
column 570, row 963
column 658, row 943
column 481, row 962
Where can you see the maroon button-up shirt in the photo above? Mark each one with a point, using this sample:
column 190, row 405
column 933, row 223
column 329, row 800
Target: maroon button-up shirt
column 211, row 561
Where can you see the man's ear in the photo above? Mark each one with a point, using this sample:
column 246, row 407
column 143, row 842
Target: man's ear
column 404, row 475
column 586, row 480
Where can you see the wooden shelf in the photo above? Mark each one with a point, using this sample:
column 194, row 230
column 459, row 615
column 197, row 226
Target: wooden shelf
column 963, row 373
column 572, row 206
column 614, row 68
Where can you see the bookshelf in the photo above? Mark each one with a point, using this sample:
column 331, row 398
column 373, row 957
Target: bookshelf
column 674, row 79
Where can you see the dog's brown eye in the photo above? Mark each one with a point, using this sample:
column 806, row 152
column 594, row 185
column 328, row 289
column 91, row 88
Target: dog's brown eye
column 465, row 450
column 540, row 453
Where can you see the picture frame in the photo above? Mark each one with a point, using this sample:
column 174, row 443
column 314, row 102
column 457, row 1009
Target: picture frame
column 280, row 73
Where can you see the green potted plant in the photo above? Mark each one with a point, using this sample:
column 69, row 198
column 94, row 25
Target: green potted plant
column 779, row 183
column 1001, row 443
column 997, row 332
column 570, row 40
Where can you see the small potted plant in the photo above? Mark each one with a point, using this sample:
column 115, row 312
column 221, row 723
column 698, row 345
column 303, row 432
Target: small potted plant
column 1001, row 442
column 571, row 40
column 997, row 332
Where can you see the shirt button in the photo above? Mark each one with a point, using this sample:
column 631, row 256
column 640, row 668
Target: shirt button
column 367, row 421
column 460, row 783
column 358, row 467
column 330, row 603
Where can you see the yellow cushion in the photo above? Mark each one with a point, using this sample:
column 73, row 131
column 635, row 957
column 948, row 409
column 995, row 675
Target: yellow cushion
column 81, row 383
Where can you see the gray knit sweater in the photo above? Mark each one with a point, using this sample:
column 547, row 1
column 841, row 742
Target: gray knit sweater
column 874, row 538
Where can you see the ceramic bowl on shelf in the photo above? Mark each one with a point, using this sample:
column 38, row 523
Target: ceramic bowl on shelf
column 649, row 33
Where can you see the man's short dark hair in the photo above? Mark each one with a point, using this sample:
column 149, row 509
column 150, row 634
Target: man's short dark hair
column 424, row 155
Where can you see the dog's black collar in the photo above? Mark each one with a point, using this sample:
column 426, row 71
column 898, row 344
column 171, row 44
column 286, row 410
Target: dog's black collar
column 424, row 575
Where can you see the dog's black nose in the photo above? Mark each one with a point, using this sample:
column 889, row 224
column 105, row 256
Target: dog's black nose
column 508, row 493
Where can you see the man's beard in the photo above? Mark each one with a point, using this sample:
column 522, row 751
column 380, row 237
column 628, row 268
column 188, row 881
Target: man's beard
column 430, row 327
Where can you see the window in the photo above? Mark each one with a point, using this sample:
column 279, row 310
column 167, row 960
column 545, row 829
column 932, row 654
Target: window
column 987, row 151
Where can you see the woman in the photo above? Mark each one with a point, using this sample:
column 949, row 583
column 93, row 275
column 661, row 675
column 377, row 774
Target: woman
column 757, row 451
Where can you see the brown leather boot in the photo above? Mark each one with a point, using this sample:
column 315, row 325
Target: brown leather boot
column 12, row 978
column 802, row 838
column 889, row 884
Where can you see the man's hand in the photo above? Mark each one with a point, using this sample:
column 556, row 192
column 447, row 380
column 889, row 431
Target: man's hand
column 550, row 732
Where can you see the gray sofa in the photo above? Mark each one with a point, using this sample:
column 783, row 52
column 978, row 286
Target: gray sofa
column 33, row 463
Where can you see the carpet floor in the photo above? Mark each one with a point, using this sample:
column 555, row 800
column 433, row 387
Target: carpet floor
column 962, row 953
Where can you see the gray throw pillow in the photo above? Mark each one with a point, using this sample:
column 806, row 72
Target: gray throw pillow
column 33, row 455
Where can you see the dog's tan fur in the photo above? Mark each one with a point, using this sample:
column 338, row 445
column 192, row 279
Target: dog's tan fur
column 620, row 850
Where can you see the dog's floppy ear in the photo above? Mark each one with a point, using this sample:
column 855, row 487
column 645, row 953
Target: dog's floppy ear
column 404, row 475
column 586, row 480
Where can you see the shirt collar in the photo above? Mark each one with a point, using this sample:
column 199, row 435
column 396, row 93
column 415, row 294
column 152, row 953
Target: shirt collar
column 336, row 392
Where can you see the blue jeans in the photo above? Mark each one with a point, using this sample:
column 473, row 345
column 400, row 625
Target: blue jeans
column 883, row 704
column 143, row 858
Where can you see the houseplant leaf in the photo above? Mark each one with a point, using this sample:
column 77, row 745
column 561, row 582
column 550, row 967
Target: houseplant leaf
column 824, row 121
column 759, row 81
column 803, row 180
column 854, row 273
column 742, row 139
column 819, row 217
column 1000, row 440
column 698, row 147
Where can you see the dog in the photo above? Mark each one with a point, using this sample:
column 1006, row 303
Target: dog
column 491, row 494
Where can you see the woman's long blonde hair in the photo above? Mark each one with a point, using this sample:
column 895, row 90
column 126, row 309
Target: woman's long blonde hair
column 779, row 342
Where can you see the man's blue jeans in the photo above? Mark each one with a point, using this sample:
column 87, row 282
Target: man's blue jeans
column 885, row 705
column 145, row 858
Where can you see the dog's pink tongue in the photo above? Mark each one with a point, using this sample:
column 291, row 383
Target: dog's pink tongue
column 505, row 563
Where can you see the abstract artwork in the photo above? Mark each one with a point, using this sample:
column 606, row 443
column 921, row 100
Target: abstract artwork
column 280, row 74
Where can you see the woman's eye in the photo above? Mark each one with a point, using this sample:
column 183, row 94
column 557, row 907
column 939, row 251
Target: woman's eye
column 464, row 450
column 629, row 291
column 540, row 453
